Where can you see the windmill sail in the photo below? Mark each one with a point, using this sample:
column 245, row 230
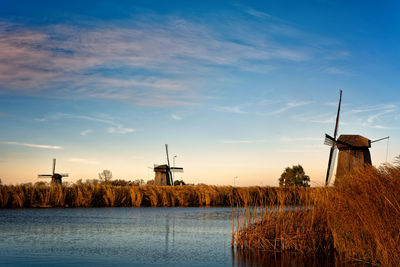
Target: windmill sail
column 54, row 166
column 332, row 152
column 176, row 169
column 331, row 167
column 171, row 180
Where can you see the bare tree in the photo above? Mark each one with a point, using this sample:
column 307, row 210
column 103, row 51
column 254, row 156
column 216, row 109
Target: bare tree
column 105, row 176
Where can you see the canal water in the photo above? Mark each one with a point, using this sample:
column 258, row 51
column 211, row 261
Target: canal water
column 126, row 237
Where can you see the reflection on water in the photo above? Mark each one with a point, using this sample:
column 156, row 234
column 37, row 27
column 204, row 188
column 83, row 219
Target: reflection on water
column 127, row 236
column 241, row 258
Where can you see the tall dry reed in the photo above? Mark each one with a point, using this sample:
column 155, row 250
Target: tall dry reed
column 106, row 195
column 358, row 219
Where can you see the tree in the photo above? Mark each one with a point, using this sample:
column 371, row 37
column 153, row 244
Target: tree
column 179, row 182
column 105, row 176
column 0, row 182
column 294, row 176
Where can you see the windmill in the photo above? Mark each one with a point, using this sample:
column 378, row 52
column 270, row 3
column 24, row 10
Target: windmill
column 163, row 173
column 353, row 150
column 56, row 178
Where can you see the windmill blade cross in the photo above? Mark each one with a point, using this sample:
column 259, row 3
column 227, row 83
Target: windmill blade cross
column 44, row 175
column 64, row 174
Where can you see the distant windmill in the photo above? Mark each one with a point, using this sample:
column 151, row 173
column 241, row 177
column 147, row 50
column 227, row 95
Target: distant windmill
column 164, row 172
column 56, row 178
column 353, row 151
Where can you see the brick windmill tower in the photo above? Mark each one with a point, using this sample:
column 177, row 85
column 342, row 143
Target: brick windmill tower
column 163, row 173
column 353, row 151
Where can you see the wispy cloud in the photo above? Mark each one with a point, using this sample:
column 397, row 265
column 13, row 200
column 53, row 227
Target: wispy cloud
column 289, row 106
column 3, row 114
column 242, row 141
column 324, row 118
column 376, row 116
column 31, row 145
column 62, row 60
column 120, row 130
column 89, row 161
column 231, row 109
column 116, row 127
column 381, row 107
column 335, row 70
column 176, row 117
column 86, row 132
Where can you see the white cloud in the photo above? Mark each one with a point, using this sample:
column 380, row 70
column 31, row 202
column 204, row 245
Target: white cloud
column 120, row 130
column 89, row 161
column 335, row 70
column 102, row 118
column 231, row 109
column 86, row 132
column 31, row 145
column 176, row 117
column 289, row 106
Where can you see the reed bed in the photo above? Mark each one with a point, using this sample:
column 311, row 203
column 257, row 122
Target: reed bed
column 107, row 195
column 357, row 219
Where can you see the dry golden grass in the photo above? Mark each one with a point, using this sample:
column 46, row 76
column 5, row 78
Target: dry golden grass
column 358, row 219
column 106, row 195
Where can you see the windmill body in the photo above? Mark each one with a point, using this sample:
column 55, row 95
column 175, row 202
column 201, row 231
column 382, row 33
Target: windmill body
column 353, row 153
column 56, row 178
column 163, row 173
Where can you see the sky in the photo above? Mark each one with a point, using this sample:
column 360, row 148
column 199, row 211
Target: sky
column 235, row 88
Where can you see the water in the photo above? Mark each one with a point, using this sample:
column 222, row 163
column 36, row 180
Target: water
column 127, row 237
column 116, row 236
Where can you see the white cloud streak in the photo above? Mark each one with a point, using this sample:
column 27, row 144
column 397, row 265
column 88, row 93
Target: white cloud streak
column 120, row 130
column 231, row 109
column 176, row 117
column 31, row 145
column 86, row 132
column 116, row 128
column 290, row 105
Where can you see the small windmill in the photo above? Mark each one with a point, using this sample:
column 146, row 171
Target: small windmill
column 163, row 173
column 353, row 151
column 56, row 178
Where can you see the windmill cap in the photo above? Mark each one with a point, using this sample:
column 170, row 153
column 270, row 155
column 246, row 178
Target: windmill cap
column 161, row 168
column 354, row 140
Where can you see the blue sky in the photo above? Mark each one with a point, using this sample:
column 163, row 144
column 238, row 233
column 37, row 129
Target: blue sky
column 235, row 88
